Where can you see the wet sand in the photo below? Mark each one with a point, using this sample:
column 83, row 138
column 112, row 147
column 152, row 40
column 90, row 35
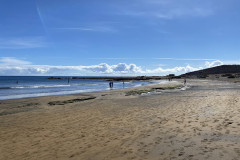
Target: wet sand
column 201, row 122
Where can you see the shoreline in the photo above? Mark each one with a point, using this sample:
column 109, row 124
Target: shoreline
column 69, row 97
column 235, row 80
column 72, row 92
column 201, row 122
column 108, row 91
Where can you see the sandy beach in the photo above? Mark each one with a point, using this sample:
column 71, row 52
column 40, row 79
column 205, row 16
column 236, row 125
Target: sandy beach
column 200, row 121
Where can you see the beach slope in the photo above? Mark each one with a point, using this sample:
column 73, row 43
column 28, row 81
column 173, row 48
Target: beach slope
column 158, row 122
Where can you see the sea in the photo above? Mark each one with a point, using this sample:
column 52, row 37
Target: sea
column 16, row 87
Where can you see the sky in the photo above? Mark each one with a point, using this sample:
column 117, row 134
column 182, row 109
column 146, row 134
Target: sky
column 117, row 38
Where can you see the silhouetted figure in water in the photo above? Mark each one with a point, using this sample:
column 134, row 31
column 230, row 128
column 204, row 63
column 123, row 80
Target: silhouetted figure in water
column 185, row 81
column 68, row 80
column 17, row 82
column 123, row 84
column 111, row 84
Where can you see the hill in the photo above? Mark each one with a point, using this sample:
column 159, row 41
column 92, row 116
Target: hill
column 223, row 69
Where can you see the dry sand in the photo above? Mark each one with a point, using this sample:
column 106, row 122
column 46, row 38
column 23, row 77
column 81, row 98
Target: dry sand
column 202, row 122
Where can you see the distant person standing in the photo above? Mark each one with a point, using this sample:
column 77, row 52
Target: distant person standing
column 185, row 81
column 17, row 82
column 68, row 80
column 110, row 84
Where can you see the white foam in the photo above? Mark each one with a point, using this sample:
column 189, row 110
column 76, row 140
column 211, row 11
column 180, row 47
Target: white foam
column 40, row 86
column 46, row 94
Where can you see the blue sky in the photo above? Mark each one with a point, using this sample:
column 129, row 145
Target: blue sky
column 110, row 37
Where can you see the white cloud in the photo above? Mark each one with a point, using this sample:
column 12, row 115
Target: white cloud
column 169, row 9
column 22, row 43
column 213, row 63
column 185, row 69
column 10, row 61
column 14, row 66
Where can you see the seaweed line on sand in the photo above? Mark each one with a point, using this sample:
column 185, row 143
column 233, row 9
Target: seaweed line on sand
column 157, row 89
column 70, row 101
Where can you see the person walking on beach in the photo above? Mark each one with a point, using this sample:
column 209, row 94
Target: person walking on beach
column 185, row 81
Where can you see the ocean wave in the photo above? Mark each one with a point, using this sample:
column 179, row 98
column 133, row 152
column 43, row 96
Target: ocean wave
column 5, row 97
column 48, row 86
column 39, row 86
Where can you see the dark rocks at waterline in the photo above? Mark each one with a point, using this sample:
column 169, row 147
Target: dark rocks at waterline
column 55, row 78
column 117, row 78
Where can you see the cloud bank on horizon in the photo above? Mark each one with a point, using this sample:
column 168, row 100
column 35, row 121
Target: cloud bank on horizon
column 14, row 66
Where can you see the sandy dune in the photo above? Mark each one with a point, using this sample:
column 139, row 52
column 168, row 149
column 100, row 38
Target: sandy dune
column 201, row 122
